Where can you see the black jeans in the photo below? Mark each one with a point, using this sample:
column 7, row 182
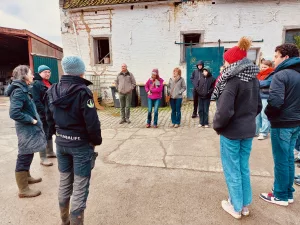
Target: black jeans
column 195, row 97
column 24, row 162
column 204, row 110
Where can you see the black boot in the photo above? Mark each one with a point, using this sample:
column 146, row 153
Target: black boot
column 65, row 212
column 77, row 219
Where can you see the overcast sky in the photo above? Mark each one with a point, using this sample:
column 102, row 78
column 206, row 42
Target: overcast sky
column 38, row 16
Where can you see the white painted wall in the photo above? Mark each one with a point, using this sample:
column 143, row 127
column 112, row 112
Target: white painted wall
column 144, row 38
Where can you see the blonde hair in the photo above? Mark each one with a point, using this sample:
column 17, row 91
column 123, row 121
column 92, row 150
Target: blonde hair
column 177, row 70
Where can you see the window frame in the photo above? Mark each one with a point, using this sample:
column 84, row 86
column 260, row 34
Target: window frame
column 94, row 48
column 182, row 47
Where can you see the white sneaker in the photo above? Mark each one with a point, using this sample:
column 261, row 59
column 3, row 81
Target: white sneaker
column 245, row 211
column 261, row 137
column 206, row 126
column 229, row 209
column 200, row 126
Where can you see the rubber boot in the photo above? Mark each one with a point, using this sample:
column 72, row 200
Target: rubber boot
column 44, row 160
column 49, row 149
column 77, row 219
column 65, row 212
column 32, row 180
column 24, row 190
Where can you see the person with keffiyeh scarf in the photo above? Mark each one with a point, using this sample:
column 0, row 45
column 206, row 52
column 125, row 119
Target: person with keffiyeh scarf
column 237, row 92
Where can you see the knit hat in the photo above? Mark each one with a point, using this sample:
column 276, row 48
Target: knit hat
column 155, row 72
column 238, row 52
column 42, row 68
column 73, row 65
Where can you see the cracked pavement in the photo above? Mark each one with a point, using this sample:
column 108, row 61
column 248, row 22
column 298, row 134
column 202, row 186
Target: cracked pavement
column 163, row 176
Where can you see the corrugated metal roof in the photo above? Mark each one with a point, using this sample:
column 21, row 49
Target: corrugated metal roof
column 71, row 4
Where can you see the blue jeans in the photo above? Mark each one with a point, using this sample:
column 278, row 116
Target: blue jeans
column 283, row 144
column 262, row 122
column 75, row 165
column 203, row 110
column 176, row 110
column 153, row 103
column 24, row 162
column 235, row 161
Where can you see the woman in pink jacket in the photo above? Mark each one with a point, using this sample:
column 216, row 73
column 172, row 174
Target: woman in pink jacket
column 154, row 88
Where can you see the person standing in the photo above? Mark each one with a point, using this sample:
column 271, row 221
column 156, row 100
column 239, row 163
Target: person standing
column 265, row 77
column 283, row 111
column 237, row 92
column 29, row 128
column 154, row 88
column 176, row 87
column 197, row 73
column 40, row 86
column 204, row 89
column 125, row 83
column 72, row 116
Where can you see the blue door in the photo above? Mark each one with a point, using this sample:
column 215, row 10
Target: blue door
column 211, row 56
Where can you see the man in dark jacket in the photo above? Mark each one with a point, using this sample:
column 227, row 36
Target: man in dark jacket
column 197, row 73
column 77, row 126
column 283, row 111
column 40, row 86
column 205, row 88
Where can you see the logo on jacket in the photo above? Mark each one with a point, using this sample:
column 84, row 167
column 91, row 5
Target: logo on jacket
column 90, row 103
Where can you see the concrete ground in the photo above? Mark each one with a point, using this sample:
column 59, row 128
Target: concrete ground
column 163, row 176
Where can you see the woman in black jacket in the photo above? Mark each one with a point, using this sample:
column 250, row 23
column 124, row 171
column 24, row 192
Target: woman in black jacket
column 204, row 88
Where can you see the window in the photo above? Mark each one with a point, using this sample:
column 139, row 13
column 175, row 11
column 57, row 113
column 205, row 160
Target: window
column 189, row 37
column 293, row 36
column 102, row 50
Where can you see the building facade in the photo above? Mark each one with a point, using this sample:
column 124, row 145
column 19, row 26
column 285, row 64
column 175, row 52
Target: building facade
column 151, row 34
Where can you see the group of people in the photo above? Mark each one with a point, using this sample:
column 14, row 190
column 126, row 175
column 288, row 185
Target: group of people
column 40, row 110
column 249, row 103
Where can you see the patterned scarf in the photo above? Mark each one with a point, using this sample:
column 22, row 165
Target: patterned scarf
column 244, row 69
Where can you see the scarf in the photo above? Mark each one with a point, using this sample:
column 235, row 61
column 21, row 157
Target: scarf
column 264, row 74
column 244, row 69
column 47, row 83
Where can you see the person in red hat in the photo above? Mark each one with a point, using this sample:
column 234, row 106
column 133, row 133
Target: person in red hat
column 237, row 92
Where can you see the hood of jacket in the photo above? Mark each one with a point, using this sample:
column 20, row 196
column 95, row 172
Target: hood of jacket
column 16, row 84
column 291, row 63
column 65, row 92
column 200, row 62
column 37, row 76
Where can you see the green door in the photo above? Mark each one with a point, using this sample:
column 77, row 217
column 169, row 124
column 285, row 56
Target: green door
column 50, row 62
column 211, row 56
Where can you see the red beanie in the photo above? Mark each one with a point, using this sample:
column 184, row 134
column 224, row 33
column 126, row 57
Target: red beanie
column 239, row 52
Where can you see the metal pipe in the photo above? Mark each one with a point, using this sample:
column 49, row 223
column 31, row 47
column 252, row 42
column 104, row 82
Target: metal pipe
column 214, row 42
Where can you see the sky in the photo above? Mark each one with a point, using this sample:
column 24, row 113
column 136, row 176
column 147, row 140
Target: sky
column 38, row 16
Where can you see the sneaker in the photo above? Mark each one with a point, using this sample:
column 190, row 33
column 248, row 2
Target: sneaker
column 176, row 126
column 262, row 137
column 200, row 126
column 229, row 209
column 297, row 176
column 297, row 160
column 245, row 211
column 172, row 125
column 148, row 125
column 290, row 200
column 297, row 182
column 128, row 121
column 206, row 126
column 155, row 126
column 122, row 121
column 269, row 197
